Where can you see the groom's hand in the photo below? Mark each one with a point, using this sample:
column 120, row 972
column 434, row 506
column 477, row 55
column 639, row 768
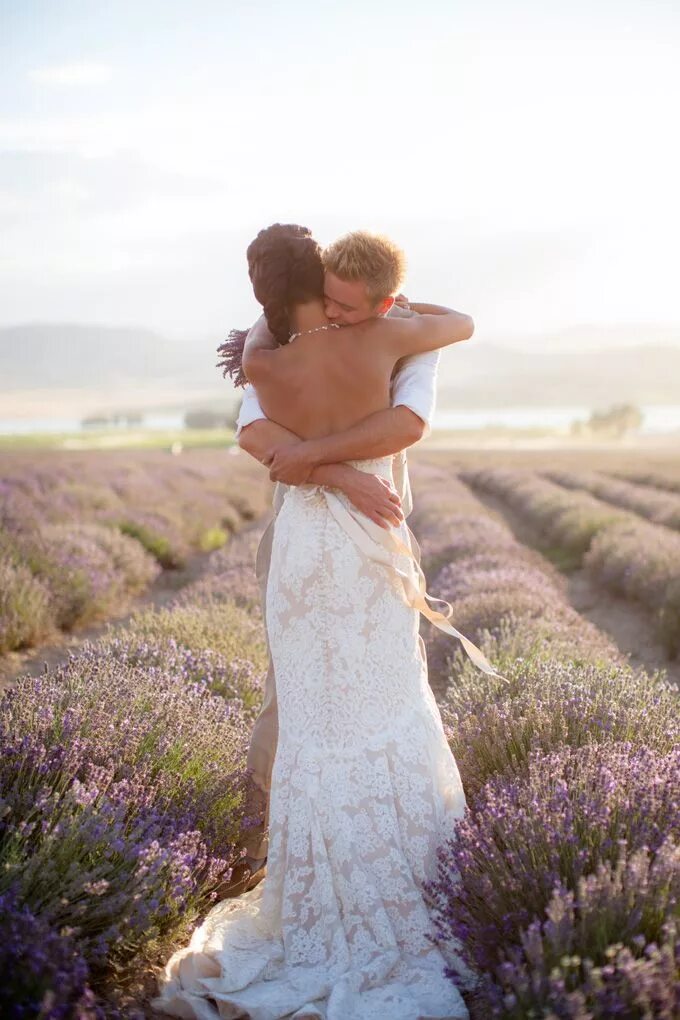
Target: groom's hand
column 291, row 464
column 375, row 497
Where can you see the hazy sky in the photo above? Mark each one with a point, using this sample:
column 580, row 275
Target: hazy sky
column 526, row 154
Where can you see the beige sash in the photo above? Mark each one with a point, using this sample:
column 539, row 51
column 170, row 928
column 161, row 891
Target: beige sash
column 376, row 543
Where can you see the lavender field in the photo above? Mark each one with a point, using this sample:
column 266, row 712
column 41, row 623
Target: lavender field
column 122, row 767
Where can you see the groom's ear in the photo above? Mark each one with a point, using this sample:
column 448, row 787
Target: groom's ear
column 383, row 307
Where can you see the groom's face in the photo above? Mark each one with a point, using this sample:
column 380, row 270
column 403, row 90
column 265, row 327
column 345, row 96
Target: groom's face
column 348, row 301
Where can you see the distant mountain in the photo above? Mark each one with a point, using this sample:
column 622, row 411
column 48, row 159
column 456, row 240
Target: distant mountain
column 47, row 355
column 87, row 360
column 476, row 374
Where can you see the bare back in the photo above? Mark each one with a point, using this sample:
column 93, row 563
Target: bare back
column 325, row 382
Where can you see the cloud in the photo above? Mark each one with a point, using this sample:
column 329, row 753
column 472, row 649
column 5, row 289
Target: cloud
column 82, row 73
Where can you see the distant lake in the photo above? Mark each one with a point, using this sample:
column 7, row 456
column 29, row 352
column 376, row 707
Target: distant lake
column 25, row 426
column 657, row 420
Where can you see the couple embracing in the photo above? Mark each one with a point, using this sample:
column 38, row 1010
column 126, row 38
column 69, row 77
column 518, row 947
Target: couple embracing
column 349, row 755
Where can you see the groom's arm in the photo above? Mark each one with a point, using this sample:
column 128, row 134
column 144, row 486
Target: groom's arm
column 389, row 431
column 409, row 418
column 261, row 437
column 292, row 459
column 382, row 433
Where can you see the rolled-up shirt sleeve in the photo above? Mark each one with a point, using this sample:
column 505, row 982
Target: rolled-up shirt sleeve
column 415, row 385
column 250, row 409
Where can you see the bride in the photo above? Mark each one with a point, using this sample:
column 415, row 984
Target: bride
column 364, row 786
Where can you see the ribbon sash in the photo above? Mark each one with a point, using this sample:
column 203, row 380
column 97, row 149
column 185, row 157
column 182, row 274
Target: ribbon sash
column 377, row 543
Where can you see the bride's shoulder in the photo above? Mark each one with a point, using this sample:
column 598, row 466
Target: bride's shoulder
column 262, row 361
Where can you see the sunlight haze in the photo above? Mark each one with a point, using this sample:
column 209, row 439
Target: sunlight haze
column 526, row 156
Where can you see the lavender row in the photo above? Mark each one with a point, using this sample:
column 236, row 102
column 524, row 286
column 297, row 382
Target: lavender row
column 626, row 554
column 656, row 505
column 230, row 575
column 123, row 782
column 655, row 479
column 567, row 519
column 559, row 888
column 568, row 682
column 497, row 586
column 122, row 797
column 79, row 534
column 171, row 504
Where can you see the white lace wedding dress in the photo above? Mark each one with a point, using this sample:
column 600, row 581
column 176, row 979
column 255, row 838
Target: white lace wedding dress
column 364, row 788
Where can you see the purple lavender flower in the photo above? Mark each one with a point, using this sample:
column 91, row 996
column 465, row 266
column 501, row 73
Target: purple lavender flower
column 43, row 974
column 609, row 948
column 659, row 506
column 122, row 797
column 552, row 827
column 494, row 727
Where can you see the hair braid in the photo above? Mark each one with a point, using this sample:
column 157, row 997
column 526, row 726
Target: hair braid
column 285, row 268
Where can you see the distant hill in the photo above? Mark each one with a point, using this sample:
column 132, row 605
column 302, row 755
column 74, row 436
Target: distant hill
column 75, row 360
column 480, row 375
column 59, row 355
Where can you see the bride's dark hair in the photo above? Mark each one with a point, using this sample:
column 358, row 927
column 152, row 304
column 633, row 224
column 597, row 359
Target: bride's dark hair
column 285, row 269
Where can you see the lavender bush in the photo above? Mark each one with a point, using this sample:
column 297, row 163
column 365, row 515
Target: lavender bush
column 199, row 490
column 609, row 948
column 159, row 533
column 121, row 794
column 569, row 519
column 222, row 628
column 229, row 576
column 493, row 728
column 24, row 607
column 87, row 569
column 43, row 974
column 236, row 680
column 642, row 561
column 505, row 597
column 626, row 554
column 665, row 480
column 526, row 837
column 658, row 506
column 87, row 524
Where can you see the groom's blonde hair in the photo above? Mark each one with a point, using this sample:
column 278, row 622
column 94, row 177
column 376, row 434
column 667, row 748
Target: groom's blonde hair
column 373, row 258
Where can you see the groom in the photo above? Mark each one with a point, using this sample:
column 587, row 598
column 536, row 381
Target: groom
column 363, row 272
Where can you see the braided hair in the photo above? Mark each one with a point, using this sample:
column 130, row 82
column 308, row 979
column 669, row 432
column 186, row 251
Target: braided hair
column 285, row 268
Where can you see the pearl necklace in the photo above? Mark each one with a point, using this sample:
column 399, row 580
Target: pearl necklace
column 330, row 325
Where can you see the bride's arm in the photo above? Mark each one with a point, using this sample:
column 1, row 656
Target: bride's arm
column 369, row 493
column 378, row 435
column 434, row 326
column 258, row 343
column 407, row 421
column 259, row 337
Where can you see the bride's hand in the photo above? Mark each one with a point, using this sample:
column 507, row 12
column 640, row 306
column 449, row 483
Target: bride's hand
column 374, row 497
column 291, row 464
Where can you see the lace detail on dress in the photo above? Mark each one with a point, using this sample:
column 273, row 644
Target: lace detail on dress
column 364, row 788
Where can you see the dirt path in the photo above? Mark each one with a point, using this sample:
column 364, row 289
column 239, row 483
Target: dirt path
column 57, row 649
column 627, row 623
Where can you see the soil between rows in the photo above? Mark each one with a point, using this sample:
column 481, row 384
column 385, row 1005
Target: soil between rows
column 629, row 624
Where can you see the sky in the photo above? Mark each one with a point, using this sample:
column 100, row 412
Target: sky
column 526, row 155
